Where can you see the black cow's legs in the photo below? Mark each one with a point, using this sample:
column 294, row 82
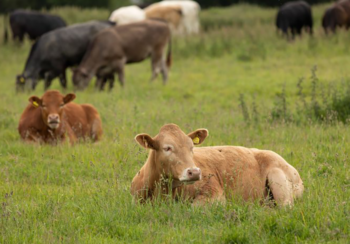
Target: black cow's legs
column 63, row 80
column 48, row 80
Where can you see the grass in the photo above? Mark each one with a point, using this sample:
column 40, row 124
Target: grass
column 80, row 194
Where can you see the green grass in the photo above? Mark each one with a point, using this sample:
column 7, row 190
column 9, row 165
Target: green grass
column 80, row 194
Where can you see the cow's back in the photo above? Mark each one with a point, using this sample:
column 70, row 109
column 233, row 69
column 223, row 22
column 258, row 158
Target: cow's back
column 234, row 169
column 63, row 47
column 139, row 39
column 240, row 171
column 35, row 23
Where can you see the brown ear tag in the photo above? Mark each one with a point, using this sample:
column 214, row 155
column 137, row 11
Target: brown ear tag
column 21, row 80
column 35, row 104
column 195, row 140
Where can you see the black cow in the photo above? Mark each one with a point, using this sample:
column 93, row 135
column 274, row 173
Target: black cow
column 293, row 16
column 55, row 51
column 33, row 23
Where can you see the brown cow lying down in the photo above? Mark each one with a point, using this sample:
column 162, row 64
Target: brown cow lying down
column 213, row 172
column 48, row 119
column 114, row 47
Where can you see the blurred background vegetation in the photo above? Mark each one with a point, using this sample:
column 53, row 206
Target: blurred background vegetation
column 8, row 5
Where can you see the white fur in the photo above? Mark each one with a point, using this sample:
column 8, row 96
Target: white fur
column 190, row 10
column 126, row 15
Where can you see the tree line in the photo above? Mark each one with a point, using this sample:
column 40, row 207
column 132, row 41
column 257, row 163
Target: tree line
column 8, row 5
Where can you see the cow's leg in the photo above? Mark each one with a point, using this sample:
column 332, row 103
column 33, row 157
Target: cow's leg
column 281, row 188
column 118, row 67
column 47, row 80
column 212, row 194
column 164, row 70
column 63, row 80
column 156, row 62
column 98, row 83
column 111, row 82
column 21, row 37
column 103, row 83
column 121, row 76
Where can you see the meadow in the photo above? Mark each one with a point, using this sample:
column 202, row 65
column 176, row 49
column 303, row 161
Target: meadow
column 232, row 79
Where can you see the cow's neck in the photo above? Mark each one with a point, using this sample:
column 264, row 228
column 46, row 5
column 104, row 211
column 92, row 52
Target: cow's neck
column 152, row 172
column 154, row 177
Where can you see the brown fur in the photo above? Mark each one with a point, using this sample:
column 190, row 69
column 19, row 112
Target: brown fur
column 338, row 15
column 114, row 47
column 77, row 121
column 170, row 14
column 227, row 171
column 345, row 4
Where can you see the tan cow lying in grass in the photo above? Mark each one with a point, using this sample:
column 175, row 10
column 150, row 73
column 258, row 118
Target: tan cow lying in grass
column 216, row 172
column 48, row 119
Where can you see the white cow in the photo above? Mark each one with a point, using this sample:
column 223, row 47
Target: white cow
column 190, row 10
column 127, row 15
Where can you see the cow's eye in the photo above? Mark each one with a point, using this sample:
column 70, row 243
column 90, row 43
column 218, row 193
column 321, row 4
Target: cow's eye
column 61, row 106
column 167, row 149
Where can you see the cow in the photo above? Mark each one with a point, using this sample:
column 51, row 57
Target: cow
column 111, row 49
column 55, row 51
column 127, row 15
column 190, row 15
column 53, row 116
column 293, row 17
column 335, row 16
column 211, row 174
column 33, row 23
column 338, row 15
column 171, row 14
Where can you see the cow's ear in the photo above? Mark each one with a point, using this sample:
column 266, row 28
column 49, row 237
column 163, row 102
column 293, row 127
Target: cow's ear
column 198, row 136
column 68, row 98
column 146, row 141
column 35, row 101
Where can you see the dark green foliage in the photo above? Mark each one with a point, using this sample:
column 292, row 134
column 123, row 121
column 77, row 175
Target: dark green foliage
column 7, row 5
column 319, row 107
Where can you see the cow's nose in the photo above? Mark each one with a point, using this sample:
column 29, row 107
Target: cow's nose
column 194, row 174
column 53, row 117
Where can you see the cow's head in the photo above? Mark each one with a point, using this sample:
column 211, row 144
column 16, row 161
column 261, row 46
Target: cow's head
column 23, row 83
column 81, row 78
column 173, row 152
column 51, row 105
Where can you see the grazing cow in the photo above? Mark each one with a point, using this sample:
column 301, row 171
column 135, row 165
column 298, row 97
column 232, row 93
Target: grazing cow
column 190, row 15
column 57, row 50
column 293, row 16
column 127, row 15
column 207, row 174
column 33, row 23
column 111, row 49
column 334, row 17
column 171, row 14
column 48, row 119
column 338, row 15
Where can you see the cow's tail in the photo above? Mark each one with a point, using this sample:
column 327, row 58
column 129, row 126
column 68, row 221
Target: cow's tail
column 168, row 58
column 6, row 34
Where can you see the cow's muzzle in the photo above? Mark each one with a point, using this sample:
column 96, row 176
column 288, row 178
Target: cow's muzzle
column 190, row 175
column 53, row 121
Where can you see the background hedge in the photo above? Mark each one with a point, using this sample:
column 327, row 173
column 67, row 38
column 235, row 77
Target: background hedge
column 8, row 5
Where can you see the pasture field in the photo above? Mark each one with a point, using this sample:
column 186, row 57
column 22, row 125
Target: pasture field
column 80, row 194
